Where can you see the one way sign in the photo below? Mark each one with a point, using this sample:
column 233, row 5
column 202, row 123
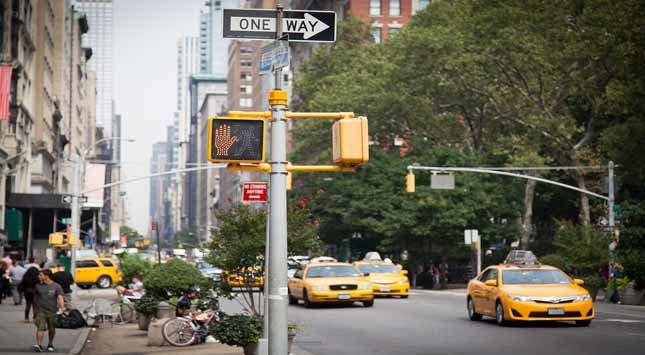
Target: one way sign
column 300, row 25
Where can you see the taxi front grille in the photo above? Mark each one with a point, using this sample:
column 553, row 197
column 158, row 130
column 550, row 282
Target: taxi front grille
column 342, row 287
column 546, row 315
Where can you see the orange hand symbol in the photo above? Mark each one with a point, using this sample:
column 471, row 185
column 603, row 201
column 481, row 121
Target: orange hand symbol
column 223, row 139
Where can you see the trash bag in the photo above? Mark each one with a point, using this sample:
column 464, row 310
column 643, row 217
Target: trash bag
column 70, row 320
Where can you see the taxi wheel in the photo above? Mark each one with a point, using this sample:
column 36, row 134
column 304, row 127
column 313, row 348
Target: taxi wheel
column 404, row 296
column 368, row 303
column 499, row 314
column 470, row 305
column 583, row 323
column 305, row 299
column 292, row 300
column 104, row 282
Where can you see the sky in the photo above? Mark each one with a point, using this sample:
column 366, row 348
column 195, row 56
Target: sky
column 145, row 62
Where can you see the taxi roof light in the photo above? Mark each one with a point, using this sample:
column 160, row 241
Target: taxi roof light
column 521, row 258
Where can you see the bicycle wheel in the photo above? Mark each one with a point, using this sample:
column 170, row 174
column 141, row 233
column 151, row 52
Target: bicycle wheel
column 122, row 313
column 178, row 332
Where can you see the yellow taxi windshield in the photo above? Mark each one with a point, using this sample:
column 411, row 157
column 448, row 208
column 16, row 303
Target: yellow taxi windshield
column 378, row 269
column 332, row 271
column 534, row 277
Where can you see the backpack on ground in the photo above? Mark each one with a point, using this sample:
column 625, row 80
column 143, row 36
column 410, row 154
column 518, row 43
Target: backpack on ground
column 72, row 319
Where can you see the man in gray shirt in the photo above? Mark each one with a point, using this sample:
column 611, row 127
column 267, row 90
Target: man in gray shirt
column 48, row 300
column 16, row 275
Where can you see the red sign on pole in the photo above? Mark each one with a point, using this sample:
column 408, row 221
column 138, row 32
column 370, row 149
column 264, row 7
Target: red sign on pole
column 254, row 192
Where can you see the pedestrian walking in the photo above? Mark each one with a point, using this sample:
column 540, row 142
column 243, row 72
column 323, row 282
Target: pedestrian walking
column 48, row 301
column 16, row 274
column 32, row 263
column 65, row 280
column 28, row 288
column 5, row 288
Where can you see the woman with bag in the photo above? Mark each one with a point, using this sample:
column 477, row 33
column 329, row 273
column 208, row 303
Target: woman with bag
column 28, row 288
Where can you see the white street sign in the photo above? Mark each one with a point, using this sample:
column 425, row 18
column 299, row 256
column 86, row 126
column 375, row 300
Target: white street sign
column 300, row 26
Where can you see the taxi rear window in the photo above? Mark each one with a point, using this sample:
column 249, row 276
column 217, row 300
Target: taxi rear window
column 107, row 263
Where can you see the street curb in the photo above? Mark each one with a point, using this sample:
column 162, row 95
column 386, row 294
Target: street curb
column 80, row 342
column 300, row 351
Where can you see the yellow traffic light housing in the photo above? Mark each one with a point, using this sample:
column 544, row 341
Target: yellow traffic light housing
column 350, row 141
column 409, row 182
column 236, row 140
column 63, row 240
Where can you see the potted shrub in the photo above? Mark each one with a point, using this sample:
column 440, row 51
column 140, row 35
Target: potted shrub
column 593, row 283
column 239, row 330
column 292, row 331
column 146, row 308
column 627, row 292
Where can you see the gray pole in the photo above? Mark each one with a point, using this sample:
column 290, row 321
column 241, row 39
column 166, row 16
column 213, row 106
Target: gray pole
column 610, row 214
column 76, row 218
column 278, row 219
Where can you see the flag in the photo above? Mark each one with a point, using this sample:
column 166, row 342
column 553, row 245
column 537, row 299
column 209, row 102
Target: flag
column 5, row 91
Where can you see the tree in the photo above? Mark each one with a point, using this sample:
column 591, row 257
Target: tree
column 238, row 246
column 132, row 235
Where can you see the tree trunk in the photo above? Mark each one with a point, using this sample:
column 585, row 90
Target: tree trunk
column 527, row 216
column 585, row 212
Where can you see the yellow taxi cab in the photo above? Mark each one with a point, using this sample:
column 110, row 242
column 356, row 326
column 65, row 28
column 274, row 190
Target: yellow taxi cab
column 101, row 272
column 386, row 278
column 330, row 282
column 237, row 280
column 522, row 289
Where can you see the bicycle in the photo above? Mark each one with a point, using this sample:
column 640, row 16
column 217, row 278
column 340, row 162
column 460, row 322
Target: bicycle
column 123, row 311
column 192, row 328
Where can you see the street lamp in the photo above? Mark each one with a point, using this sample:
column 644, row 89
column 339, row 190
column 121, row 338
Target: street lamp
column 77, row 182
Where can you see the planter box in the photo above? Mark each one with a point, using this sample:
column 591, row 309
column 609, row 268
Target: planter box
column 631, row 296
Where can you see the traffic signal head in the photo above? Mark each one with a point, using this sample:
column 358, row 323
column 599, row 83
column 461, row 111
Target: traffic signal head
column 236, row 140
column 350, row 141
column 409, row 182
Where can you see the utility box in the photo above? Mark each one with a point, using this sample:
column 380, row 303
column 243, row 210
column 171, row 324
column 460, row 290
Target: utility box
column 350, row 141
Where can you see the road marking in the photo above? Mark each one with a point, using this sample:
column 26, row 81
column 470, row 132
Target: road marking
column 450, row 293
column 620, row 320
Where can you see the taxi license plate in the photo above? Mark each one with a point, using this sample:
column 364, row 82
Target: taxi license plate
column 344, row 296
column 555, row 311
column 385, row 289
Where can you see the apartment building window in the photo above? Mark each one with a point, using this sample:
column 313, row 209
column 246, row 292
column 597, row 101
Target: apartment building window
column 246, row 102
column 423, row 4
column 395, row 7
column 376, row 33
column 375, row 7
column 246, row 77
column 246, row 63
column 246, row 89
column 392, row 31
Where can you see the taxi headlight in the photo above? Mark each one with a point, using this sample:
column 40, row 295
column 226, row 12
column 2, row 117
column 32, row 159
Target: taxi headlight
column 582, row 298
column 518, row 298
column 319, row 288
column 364, row 286
column 402, row 282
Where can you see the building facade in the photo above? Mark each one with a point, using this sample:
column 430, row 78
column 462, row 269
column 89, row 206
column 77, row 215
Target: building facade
column 100, row 16
column 212, row 46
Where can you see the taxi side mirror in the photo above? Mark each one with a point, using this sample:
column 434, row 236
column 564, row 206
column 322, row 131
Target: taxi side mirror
column 366, row 274
column 579, row 281
column 491, row 283
column 404, row 272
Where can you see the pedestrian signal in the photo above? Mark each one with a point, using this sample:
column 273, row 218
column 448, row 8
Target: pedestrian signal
column 236, row 140
column 350, row 141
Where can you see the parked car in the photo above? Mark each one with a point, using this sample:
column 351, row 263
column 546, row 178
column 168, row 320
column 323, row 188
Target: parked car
column 209, row 270
column 101, row 272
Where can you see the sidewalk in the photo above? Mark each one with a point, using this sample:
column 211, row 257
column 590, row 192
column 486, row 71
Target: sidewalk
column 18, row 337
column 131, row 340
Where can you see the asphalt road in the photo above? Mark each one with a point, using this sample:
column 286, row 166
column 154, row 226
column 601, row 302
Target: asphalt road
column 436, row 323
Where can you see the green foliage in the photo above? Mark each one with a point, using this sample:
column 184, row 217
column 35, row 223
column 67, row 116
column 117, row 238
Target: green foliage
column 238, row 330
column 133, row 265
column 238, row 246
column 556, row 260
column 618, row 283
column 132, row 234
column 175, row 277
column 185, row 240
column 582, row 251
column 148, row 305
